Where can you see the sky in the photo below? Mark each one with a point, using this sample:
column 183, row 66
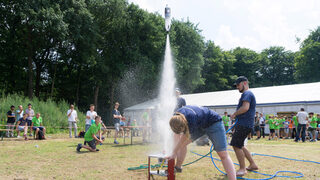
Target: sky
column 253, row 24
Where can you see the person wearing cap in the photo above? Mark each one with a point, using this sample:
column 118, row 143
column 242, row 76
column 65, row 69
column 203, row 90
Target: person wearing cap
column 30, row 113
column 11, row 120
column 180, row 100
column 244, row 114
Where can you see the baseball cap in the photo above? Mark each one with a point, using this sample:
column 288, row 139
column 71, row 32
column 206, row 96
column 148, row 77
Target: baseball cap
column 178, row 90
column 240, row 79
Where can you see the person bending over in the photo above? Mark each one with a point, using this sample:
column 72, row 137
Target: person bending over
column 190, row 123
column 90, row 137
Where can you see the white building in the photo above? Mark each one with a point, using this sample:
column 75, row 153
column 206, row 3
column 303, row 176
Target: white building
column 270, row 100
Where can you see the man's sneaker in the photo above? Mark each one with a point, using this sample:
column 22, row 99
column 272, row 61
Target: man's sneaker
column 97, row 150
column 25, row 137
column 116, row 142
column 30, row 135
column 18, row 137
column 79, row 147
column 177, row 169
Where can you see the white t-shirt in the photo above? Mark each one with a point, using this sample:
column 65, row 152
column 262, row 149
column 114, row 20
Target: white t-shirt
column 261, row 120
column 92, row 115
column 73, row 116
column 302, row 117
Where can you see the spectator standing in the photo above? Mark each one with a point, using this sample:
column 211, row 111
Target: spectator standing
column 295, row 128
column 261, row 125
column 271, row 123
column 22, row 125
column 180, row 100
column 257, row 125
column 313, row 127
column 225, row 119
column 277, row 126
column 30, row 113
column 291, row 125
column 245, row 115
column 72, row 120
column 116, row 121
column 11, row 120
column 302, row 117
column 37, row 125
column 286, row 124
column 20, row 112
column 90, row 116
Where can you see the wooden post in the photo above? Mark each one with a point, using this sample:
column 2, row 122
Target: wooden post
column 171, row 175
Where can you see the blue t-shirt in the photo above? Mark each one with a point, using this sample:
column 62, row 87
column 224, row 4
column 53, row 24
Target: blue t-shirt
column 199, row 117
column 247, row 119
column 116, row 120
column 180, row 103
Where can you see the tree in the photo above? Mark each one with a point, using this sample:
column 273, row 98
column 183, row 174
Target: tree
column 277, row 66
column 187, row 47
column 247, row 64
column 217, row 70
column 307, row 61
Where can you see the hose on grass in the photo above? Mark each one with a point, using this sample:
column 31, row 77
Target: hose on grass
column 276, row 174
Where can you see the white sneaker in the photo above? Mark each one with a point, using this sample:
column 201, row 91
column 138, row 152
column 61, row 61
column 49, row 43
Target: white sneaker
column 18, row 136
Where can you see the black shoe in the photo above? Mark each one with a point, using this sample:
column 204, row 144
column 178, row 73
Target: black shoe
column 97, row 150
column 79, row 147
column 177, row 169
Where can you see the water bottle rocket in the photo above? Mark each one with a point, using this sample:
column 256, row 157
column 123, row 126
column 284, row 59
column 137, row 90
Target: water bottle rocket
column 167, row 16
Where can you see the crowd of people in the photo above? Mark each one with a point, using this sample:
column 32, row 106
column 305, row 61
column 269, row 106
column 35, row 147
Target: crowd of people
column 23, row 121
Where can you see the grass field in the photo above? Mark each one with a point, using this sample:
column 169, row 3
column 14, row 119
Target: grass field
column 56, row 158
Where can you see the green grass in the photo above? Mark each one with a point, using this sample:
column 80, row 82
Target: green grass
column 56, row 158
column 54, row 114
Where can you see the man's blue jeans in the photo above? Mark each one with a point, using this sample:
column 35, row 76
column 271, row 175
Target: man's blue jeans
column 303, row 133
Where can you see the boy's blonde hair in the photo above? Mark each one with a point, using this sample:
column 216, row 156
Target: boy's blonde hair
column 179, row 124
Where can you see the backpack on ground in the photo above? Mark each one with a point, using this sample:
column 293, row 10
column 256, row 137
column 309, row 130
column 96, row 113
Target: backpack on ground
column 81, row 134
column 40, row 135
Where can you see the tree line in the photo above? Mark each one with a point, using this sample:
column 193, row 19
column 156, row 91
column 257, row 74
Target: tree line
column 102, row 51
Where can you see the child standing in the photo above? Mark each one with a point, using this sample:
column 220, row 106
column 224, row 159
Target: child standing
column 271, row 123
column 286, row 128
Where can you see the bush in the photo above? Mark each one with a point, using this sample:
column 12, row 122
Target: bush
column 54, row 114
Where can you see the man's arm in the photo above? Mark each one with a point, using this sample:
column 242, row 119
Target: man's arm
column 95, row 137
column 244, row 108
column 182, row 142
column 70, row 113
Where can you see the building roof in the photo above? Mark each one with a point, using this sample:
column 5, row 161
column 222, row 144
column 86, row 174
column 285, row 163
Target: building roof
column 273, row 95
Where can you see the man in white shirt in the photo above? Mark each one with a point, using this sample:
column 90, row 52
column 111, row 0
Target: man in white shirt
column 302, row 121
column 72, row 120
column 91, row 115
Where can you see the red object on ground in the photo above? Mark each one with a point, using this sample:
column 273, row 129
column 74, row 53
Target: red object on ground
column 169, row 172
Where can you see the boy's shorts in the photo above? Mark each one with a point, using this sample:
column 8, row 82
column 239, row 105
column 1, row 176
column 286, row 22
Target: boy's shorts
column 91, row 143
column 239, row 135
column 21, row 128
column 117, row 127
column 272, row 131
column 35, row 128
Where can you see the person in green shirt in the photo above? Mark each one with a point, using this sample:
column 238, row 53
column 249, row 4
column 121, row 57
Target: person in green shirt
column 277, row 127
column 36, row 125
column 295, row 128
column 91, row 138
column 313, row 126
column 271, row 123
column 225, row 120
column 281, row 127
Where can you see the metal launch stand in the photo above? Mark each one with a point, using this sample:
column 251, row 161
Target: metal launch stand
column 169, row 172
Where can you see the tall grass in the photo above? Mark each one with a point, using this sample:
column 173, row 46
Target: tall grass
column 54, row 114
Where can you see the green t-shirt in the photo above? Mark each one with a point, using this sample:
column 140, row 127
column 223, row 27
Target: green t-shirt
column 281, row 122
column 294, row 118
column 36, row 121
column 277, row 124
column 92, row 130
column 225, row 120
column 270, row 122
column 314, row 122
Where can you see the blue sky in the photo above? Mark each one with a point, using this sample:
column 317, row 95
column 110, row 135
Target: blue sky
column 254, row 24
